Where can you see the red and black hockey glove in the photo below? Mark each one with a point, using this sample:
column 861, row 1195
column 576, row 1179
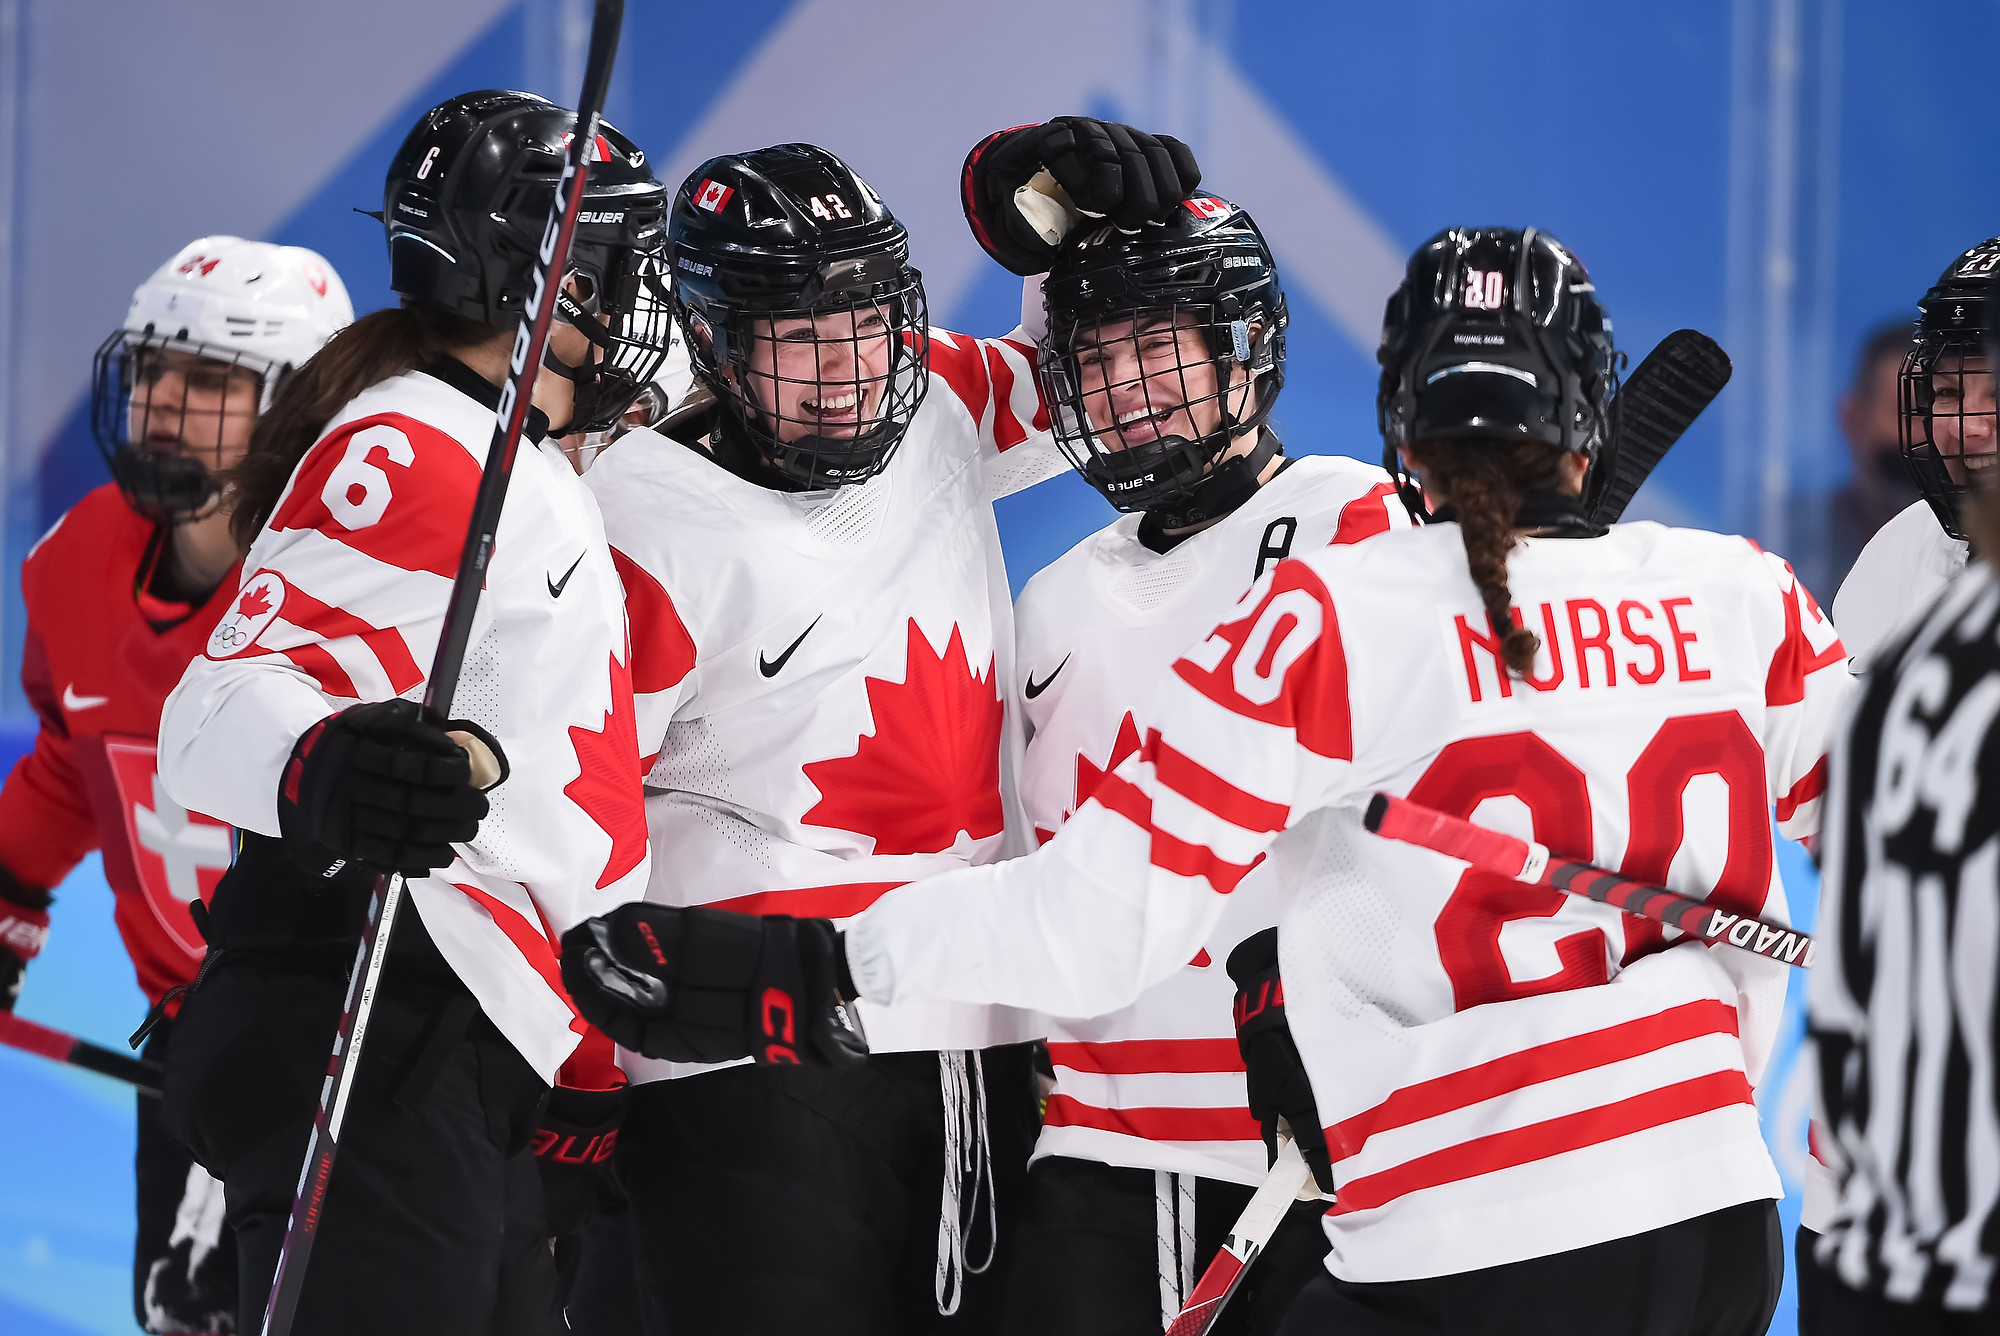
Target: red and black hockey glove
column 1107, row 170
column 578, row 1134
column 707, row 985
column 24, row 926
column 379, row 785
column 1277, row 1078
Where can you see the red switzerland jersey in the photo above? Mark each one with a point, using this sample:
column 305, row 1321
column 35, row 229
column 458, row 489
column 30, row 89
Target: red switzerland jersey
column 96, row 668
column 1504, row 1071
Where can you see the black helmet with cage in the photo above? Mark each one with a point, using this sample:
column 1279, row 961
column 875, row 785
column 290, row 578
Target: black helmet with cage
column 466, row 202
column 1946, row 392
column 1118, row 304
column 1496, row 334
column 783, row 250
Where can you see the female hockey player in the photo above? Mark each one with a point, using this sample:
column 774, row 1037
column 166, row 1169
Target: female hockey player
column 822, row 661
column 1538, row 1111
column 299, row 726
column 1164, row 355
column 120, row 595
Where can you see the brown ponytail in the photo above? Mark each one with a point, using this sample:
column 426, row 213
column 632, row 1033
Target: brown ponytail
column 1483, row 482
column 375, row 348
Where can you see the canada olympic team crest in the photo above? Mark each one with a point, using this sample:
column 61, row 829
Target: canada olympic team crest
column 255, row 608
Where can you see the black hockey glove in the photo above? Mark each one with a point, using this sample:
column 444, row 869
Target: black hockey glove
column 24, row 926
column 707, row 985
column 1107, row 170
column 377, row 784
column 573, row 1147
column 1277, row 1078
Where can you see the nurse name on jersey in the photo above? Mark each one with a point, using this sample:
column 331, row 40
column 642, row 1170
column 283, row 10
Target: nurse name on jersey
column 1587, row 645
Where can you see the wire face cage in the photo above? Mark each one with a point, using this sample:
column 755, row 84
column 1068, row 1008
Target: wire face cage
column 1948, row 422
column 624, row 291
column 1143, row 400
column 828, row 391
column 170, row 415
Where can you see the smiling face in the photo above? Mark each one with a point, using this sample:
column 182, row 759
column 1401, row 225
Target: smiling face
column 824, row 375
column 186, row 404
column 1962, row 417
column 1152, row 376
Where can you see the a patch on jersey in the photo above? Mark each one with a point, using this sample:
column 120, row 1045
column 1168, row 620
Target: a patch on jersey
column 255, row 608
column 931, row 769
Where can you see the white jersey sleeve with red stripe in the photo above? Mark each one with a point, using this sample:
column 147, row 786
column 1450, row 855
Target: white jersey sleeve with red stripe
column 995, row 381
column 342, row 601
column 1159, row 1084
column 1506, row 1072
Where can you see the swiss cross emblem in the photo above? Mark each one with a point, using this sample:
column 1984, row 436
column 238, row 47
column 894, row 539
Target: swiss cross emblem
column 712, row 195
column 255, row 608
column 177, row 855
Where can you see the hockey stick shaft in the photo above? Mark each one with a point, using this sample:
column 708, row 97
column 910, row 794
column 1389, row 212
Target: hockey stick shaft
column 510, row 419
column 1248, row 1237
column 22, row 1033
column 1657, row 404
column 1525, row 860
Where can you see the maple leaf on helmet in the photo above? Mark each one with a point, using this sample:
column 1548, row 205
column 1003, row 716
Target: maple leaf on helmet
column 931, row 768
column 255, row 603
column 607, row 783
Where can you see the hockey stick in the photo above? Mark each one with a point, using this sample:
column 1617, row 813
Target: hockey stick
column 510, row 417
column 1524, row 860
column 1247, row 1238
column 1655, row 405
column 22, row 1033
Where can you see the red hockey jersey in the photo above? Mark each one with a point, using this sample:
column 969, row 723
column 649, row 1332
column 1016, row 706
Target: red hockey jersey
column 96, row 667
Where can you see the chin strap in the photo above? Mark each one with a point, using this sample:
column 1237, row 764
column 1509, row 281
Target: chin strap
column 1227, row 486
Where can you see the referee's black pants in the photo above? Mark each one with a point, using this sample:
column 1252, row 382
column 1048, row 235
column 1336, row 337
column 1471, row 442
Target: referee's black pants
column 1714, row 1275
column 433, row 1220
column 1827, row 1307
column 1087, row 1259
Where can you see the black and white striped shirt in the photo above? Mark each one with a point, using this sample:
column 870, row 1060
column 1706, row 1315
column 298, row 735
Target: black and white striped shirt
column 1903, row 997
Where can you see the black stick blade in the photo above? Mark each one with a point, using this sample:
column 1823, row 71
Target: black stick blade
column 1655, row 405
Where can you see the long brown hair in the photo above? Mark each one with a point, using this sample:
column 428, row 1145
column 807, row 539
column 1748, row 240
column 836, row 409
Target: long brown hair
column 373, row 349
column 1484, row 482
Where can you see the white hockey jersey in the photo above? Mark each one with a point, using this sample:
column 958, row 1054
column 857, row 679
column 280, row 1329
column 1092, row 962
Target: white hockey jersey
column 1899, row 574
column 824, row 679
column 1505, row 1072
column 1159, row 1084
column 342, row 600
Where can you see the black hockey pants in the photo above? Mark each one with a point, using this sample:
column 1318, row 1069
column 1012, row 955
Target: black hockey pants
column 1715, row 1275
column 777, row 1200
column 433, row 1221
column 184, row 1256
column 1088, row 1259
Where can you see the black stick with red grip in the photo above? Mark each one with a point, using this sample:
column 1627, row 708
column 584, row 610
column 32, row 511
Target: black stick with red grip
column 524, row 364
column 1524, row 860
column 24, row 1034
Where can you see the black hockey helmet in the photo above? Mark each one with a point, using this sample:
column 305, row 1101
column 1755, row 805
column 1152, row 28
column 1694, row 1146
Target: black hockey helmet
column 1496, row 334
column 788, row 234
column 1207, row 269
column 1946, row 387
column 466, row 202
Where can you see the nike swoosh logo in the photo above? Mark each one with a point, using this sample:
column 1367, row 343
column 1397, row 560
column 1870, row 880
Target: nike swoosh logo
column 557, row 586
column 1035, row 688
column 72, row 701
column 772, row 667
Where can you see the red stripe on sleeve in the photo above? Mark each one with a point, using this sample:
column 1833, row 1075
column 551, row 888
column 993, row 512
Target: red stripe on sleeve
column 962, row 363
column 330, row 623
column 532, row 945
column 1543, row 1140
column 1007, row 429
column 403, row 494
column 1027, row 351
column 1155, row 1124
column 1210, row 791
column 663, row 652
column 1364, row 516
column 1136, row 1057
column 1531, row 1066
column 323, row 668
column 836, row 902
column 1795, row 661
column 1811, row 786
column 1169, row 853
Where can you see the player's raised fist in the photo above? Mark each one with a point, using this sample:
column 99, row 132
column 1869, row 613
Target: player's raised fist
column 379, row 784
column 707, row 985
column 1023, row 188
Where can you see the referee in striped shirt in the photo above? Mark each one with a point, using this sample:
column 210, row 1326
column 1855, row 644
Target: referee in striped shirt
column 1905, row 994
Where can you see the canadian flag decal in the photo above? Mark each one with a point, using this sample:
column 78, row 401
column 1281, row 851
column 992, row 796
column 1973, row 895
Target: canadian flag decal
column 712, row 195
column 1201, row 206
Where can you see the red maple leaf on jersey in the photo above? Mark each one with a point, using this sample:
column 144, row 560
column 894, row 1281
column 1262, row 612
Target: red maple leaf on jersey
column 256, row 602
column 607, row 783
column 931, row 768
column 1088, row 776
